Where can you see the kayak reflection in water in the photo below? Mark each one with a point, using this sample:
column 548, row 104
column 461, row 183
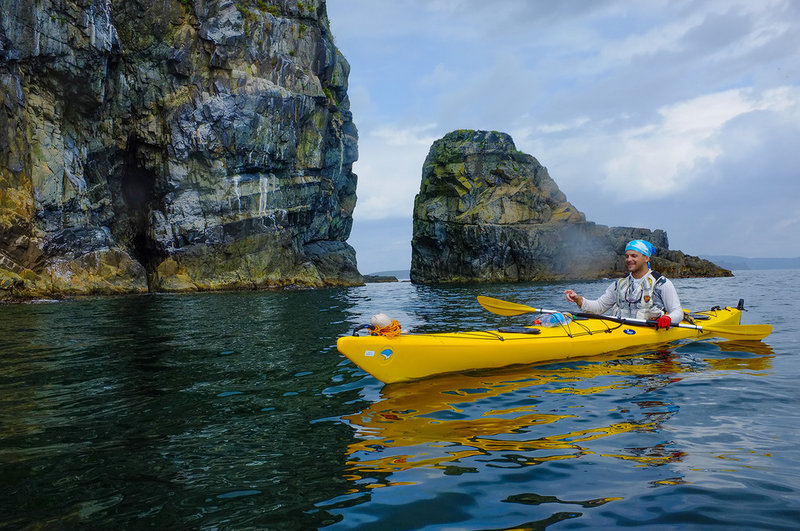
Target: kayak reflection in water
column 643, row 294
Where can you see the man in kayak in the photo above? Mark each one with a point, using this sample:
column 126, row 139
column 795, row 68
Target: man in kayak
column 643, row 294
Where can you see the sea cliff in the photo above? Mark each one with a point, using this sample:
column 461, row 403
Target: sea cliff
column 487, row 212
column 173, row 145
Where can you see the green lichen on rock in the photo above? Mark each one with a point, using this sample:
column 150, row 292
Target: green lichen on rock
column 488, row 212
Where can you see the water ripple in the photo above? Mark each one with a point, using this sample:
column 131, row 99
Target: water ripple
column 234, row 410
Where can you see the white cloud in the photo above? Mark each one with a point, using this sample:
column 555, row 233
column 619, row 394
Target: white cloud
column 390, row 169
column 572, row 124
column 440, row 76
column 662, row 158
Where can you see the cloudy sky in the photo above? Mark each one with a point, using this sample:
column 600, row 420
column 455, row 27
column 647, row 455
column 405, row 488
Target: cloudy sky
column 665, row 114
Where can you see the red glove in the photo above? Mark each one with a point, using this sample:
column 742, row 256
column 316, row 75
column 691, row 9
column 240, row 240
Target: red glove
column 663, row 322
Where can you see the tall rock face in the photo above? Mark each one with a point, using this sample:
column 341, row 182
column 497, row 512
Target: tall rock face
column 487, row 212
column 173, row 145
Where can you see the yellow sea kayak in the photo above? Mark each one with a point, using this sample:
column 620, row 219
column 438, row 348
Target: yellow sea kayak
column 412, row 356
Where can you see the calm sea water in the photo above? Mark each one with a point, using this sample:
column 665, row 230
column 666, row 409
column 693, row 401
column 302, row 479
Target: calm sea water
column 234, row 411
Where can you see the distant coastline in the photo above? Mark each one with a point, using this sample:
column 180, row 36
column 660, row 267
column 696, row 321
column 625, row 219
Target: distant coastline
column 727, row 261
column 399, row 274
column 740, row 262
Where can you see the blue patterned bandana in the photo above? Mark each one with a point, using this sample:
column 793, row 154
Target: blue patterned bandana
column 641, row 247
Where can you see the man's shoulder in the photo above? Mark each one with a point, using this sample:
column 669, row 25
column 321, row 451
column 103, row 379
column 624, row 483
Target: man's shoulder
column 661, row 280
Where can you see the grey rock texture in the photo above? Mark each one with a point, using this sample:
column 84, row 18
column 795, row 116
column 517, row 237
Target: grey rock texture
column 173, row 145
column 489, row 213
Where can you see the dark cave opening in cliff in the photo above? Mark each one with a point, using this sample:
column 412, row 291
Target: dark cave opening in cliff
column 138, row 189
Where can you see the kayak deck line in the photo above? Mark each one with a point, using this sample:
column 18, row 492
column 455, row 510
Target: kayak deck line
column 503, row 335
column 411, row 356
column 567, row 328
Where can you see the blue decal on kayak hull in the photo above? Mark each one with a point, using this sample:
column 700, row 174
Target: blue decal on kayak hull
column 629, row 331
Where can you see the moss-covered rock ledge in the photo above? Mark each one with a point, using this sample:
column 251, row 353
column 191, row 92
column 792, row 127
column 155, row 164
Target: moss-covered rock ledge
column 487, row 212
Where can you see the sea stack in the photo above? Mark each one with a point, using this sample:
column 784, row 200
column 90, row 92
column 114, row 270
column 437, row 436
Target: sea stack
column 487, row 212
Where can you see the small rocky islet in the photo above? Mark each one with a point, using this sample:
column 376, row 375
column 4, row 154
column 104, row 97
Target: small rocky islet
column 488, row 212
